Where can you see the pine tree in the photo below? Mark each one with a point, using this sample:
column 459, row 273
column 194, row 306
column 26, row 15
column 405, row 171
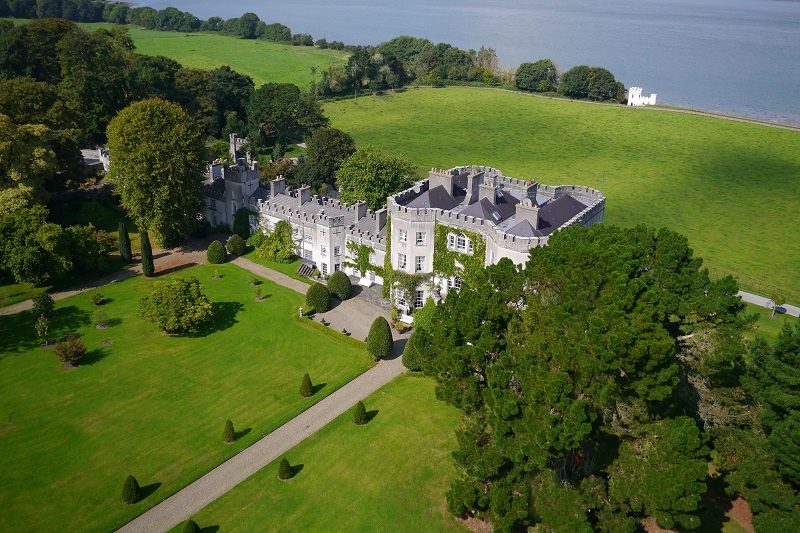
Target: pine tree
column 191, row 527
column 148, row 268
column 359, row 414
column 306, row 389
column 285, row 470
column 228, row 434
column 124, row 243
column 131, row 493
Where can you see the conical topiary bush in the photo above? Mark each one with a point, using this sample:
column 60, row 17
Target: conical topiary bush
column 191, row 527
column 124, row 243
column 131, row 493
column 148, row 267
column 285, row 470
column 306, row 388
column 228, row 434
column 359, row 414
column 379, row 339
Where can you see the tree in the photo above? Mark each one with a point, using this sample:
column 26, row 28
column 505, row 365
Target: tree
column 124, row 243
column 236, row 245
column 285, row 470
column 241, row 222
column 777, row 299
column 26, row 162
column 43, row 305
column 575, row 82
column 339, row 285
column 279, row 245
column 540, row 77
column 326, row 149
column 228, row 434
column 379, row 339
column 131, row 493
column 215, row 253
column 359, row 414
column 306, row 388
column 148, row 266
column 277, row 111
column 42, row 328
column 71, row 350
column 318, row 297
column 372, row 176
column 191, row 527
column 177, row 306
column 157, row 162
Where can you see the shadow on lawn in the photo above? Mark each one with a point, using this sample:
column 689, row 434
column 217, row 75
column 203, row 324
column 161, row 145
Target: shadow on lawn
column 369, row 415
column 147, row 490
column 18, row 331
column 93, row 356
column 243, row 433
column 224, row 318
column 316, row 388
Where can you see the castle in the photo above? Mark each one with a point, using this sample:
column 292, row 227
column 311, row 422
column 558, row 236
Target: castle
column 635, row 97
column 432, row 232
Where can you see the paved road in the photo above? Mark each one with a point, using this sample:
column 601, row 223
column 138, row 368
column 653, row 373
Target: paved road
column 767, row 303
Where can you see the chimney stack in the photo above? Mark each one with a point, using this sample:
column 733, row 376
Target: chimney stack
column 361, row 209
column 304, row 194
column 528, row 210
column 277, row 186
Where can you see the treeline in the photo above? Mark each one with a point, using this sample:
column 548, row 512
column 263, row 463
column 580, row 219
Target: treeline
column 581, row 82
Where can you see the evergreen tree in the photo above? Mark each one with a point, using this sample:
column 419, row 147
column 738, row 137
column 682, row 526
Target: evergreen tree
column 148, row 267
column 359, row 414
column 379, row 339
column 285, row 469
column 306, row 388
column 215, row 253
column 228, row 434
column 191, row 527
column 124, row 243
column 131, row 493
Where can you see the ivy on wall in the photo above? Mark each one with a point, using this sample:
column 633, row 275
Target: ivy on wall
column 362, row 264
column 388, row 271
column 444, row 259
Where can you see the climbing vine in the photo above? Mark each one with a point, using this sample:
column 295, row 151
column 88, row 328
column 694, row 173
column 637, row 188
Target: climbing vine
column 388, row 271
column 444, row 259
column 362, row 263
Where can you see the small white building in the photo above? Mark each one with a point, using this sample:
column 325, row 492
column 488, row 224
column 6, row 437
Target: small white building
column 635, row 97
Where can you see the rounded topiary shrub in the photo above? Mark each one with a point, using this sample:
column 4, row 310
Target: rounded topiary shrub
column 191, row 527
column 236, row 245
column 379, row 339
column 359, row 414
column 131, row 493
column 285, row 470
column 318, row 297
column 339, row 285
column 228, row 434
column 216, row 253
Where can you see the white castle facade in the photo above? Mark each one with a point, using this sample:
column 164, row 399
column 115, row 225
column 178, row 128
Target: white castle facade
column 635, row 97
column 473, row 213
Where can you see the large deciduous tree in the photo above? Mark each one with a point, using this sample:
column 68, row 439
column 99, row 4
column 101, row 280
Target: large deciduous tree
column 177, row 306
column 26, row 162
column 370, row 175
column 157, row 162
column 539, row 77
column 575, row 376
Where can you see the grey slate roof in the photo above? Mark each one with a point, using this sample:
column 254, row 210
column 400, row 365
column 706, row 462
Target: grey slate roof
column 557, row 212
column 504, row 207
column 437, row 198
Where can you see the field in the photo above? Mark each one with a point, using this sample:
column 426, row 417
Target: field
column 731, row 187
column 389, row 475
column 150, row 404
column 768, row 326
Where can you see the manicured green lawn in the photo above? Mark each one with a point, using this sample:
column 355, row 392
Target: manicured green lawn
column 731, row 187
column 150, row 404
column 290, row 269
column 389, row 475
column 768, row 326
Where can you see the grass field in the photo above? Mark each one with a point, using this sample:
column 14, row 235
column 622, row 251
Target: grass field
column 768, row 326
column 150, row 404
column 731, row 187
column 389, row 475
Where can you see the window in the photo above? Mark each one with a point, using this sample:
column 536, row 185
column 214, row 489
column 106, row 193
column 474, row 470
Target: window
column 337, row 251
column 459, row 242
column 308, row 254
column 455, row 283
column 420, row 238
column 402, row 235
column 356, row 273
column 337, row 267
column 419, row 301
column 324, row 269
column 323, row 251
column 419, row 263
column 372, row 259
column 400, row 298
column 308, row 238
column 401, row 260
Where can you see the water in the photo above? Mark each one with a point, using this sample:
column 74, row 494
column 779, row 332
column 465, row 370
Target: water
column 733, row 56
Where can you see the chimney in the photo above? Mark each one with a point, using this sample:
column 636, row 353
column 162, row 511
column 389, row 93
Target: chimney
column 531, row 187
column 277, row 186
column 361, row 209
column 380, row 219
column 488, row 190
column 304, row 194
column 473, row 180
column 528, row 210
column 440, row 177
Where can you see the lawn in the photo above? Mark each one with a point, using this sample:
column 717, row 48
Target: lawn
column 768, row 326
column 389, row 475
column 289, row 269
column 150, row 404
column 731, row 187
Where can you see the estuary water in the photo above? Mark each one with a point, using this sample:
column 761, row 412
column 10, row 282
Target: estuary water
column 733, row 56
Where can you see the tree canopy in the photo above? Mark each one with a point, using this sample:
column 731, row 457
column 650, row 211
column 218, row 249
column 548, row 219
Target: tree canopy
column 157, row 162
column 370, row 175
column 540, row 77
